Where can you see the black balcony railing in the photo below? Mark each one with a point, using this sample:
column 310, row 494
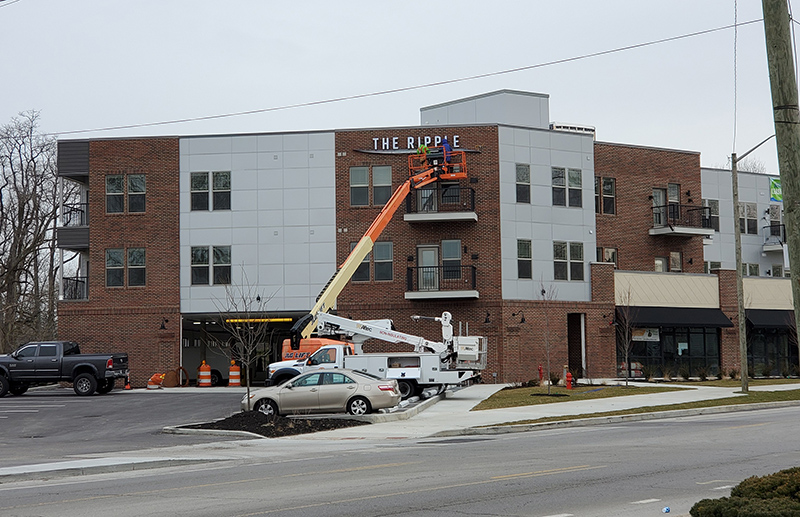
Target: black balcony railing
column 76, row 288
column 75, row 214
column 441, row 198
column 774, row 234
column 440, row 278
column 689, row 216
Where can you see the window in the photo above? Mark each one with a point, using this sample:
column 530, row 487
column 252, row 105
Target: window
column 567, row 187
column 748, row 218
column 451, row 193
column 222, row 265
column 713, row 209
column 48, row 350
column 115, row 194
column 222, row 190
column 28, row 351
column 199, row 190
column 381, row 184
column 383, row 260
column 451, row 259
column 359, row 186
column 567, row 260
column 607, row 255
column 775, row 221
column 710, row 266
column 524, row 259
column 750, row 269
column 675, row 261
column 115, row 268
column 523, row 183
column 362, row 272
column 136, row 267
column 661, row 265
column 575, row 184
column 136, row 191
column 605, row 196
column 777, row 270
column 200, row 266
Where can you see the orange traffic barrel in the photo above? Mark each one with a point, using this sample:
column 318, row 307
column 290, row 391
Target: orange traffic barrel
column 155, row 381
column 204, row 375
column 234, row 378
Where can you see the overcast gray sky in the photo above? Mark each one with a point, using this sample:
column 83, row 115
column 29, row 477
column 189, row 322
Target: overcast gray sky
column 89, row 64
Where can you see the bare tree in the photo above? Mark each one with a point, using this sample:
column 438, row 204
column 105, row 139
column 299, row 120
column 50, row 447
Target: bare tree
column 243, row 318
column 28, row 207
column 548, row 295
column 624, row 322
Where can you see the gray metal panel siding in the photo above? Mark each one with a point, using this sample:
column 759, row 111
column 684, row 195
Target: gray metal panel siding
column 73, row 158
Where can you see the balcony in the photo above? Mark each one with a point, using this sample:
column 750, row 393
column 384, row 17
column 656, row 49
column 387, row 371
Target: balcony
column 441, row 202
column 441, row 282
column 681, row 220
column 76, row 288
column 774, row 238
column 73, row 232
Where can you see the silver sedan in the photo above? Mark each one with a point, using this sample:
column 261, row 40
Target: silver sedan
column 326, row 391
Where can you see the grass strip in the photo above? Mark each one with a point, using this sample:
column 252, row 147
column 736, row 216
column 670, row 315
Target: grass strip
column 753, row 397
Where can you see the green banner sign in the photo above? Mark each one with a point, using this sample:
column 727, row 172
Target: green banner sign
column 775, row 193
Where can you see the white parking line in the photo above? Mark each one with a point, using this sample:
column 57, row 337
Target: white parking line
column 19, row 410
column 646, row 501
column 723, row 487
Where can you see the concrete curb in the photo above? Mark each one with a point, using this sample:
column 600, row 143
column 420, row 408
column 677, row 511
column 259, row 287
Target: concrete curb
column 45, row 471
column 375, row 418
column 586, row 422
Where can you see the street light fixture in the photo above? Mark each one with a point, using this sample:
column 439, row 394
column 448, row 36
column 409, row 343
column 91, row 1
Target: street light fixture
column 737, row 232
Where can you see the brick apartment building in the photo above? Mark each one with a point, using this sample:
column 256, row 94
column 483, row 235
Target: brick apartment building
column 536, row 250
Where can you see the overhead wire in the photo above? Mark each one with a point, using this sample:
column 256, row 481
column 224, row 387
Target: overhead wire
column 408, row 88
column 735, row 43
column 6, row 3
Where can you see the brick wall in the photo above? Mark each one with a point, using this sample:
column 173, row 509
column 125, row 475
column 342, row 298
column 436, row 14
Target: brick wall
column 729, row 339
column 637, row 170
column 128, row 319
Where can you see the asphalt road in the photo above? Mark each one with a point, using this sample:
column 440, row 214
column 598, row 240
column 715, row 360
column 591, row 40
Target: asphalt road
column 54, row 423
column 633, row 469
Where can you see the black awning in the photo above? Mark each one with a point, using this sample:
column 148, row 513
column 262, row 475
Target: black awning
column 764, row 318
column 673, row 317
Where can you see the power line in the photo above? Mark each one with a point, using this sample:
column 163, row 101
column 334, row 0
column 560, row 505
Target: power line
column 410, row 88
column 6, row 3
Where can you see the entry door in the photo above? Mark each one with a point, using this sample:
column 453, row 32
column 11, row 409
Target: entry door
column 426, row 200
column 659, row 207
column 576, row 336
column 428, row 261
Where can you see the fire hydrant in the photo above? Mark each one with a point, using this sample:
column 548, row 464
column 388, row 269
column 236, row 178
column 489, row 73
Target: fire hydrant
column 541, row 374
column 569, row 380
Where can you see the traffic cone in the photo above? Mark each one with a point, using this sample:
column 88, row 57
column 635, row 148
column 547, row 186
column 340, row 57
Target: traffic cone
column 128, row 384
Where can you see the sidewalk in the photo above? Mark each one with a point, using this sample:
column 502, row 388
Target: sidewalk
column 445, row 415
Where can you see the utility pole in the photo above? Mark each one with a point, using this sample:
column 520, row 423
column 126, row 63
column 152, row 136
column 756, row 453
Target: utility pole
column 787, row 129
column 737, row 232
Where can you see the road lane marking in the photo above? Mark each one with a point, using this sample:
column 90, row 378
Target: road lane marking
column 354, row 469
column 19, row 410
column 723, row 487
column 217, row 483
column 716, row 481
column 541, row 472
column 646, row 501
column 748, row 425
column 561, row 515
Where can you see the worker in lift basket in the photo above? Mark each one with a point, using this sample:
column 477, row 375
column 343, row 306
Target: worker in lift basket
column 422, row 150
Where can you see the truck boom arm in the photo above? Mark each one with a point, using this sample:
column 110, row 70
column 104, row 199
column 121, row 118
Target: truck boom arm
column 422, row 173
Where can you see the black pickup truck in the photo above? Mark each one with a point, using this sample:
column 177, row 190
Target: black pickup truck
column 49, row 362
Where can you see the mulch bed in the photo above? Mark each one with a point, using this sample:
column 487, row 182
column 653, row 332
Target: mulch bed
column 274, row 427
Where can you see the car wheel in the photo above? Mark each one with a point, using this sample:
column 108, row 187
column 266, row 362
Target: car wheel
column 4, row 385
column 105, row 386
column 359, row 406
column 407, row 388
column 84, row 384
column 18, row 389
column 267, row 407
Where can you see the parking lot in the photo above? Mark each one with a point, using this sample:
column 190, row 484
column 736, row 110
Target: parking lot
column 47, row 424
